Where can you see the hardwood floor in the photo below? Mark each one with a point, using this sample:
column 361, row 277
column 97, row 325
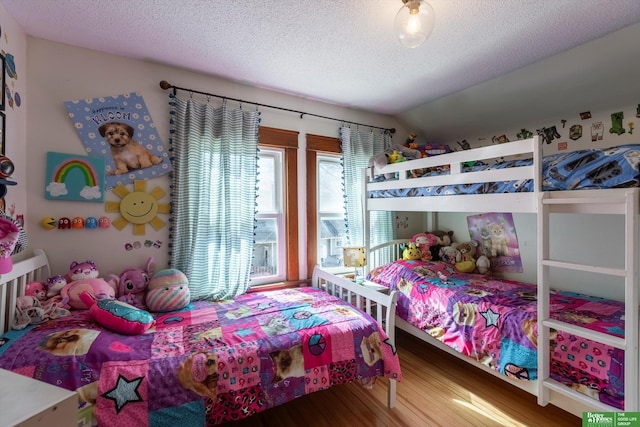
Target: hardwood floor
column 437, row 390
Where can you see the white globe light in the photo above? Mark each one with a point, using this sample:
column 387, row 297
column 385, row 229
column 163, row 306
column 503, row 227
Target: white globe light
column 414, row 23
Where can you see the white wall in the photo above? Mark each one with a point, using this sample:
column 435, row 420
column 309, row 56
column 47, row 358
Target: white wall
column 57, row 73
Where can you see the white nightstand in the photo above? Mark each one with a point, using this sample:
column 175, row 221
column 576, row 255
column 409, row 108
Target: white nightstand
column 26, row 402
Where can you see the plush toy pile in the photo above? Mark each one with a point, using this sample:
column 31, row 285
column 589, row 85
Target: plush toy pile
column 394, row 154
column 410, row 150
column 118, row 302
column 437, row 246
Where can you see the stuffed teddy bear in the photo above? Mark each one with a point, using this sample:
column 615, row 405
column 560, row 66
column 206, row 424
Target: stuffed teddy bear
column 467, row 262
column 133, row 283
column 462, row 256
column 168, row 290
column 411, row 140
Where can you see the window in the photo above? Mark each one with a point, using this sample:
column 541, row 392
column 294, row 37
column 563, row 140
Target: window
column 276, row 243
column 325, row 209
column 321, row 152
column 269, row 248
column 331, row 231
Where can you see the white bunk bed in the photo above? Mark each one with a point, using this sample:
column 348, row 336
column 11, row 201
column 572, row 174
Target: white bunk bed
column 618, row 201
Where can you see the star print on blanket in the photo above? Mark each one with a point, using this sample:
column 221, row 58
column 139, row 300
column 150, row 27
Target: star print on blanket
column 124, row 392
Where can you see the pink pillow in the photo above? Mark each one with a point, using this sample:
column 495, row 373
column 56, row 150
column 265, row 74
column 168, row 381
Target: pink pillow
column 117, row 315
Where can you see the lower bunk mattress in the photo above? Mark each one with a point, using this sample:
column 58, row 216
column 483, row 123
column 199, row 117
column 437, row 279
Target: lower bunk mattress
column 209, row 363
column 494, row 321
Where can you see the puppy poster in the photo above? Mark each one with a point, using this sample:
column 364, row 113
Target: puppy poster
column 496, row 236
column 119, row 129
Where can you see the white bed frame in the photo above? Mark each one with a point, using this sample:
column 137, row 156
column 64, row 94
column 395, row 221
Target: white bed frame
column 624, row 201
column 380, row 306
column 13, row 284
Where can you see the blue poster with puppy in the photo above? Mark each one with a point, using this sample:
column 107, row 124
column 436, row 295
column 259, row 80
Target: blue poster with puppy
column 119, row 128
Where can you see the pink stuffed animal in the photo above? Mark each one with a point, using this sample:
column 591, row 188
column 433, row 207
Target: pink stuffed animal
column 424, row 242
column 83, row 276
column 37, row 290
column 133, row 283
column 98, row 287
column 82, row 270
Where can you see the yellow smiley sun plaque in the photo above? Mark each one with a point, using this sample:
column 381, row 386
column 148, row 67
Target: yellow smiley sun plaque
column 138, row 207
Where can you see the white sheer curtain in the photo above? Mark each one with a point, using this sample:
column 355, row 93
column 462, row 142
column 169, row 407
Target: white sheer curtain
column 213, row 196
column 357, row 147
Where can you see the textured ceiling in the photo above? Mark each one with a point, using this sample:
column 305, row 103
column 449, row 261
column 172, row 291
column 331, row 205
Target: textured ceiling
column 337, row 51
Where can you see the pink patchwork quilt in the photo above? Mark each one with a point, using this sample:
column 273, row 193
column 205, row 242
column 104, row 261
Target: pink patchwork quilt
column 210, row 363
column 494, row 321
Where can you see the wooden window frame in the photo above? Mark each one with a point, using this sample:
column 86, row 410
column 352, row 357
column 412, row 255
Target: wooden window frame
column 287, row 140
column 324, row 145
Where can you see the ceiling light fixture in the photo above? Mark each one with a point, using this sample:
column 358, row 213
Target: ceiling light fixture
column 414, row 23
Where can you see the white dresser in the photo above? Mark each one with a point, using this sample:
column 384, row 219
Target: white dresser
column 26, row 402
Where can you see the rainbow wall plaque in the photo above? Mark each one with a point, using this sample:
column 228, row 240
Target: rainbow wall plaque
column 73, row 177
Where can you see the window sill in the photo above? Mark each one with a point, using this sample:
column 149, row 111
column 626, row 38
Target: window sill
column 278, row 285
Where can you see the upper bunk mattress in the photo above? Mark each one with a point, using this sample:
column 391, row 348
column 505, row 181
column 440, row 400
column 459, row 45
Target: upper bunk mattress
column 616, row 167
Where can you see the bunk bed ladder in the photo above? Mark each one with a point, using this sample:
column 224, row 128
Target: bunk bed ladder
column 624, row 202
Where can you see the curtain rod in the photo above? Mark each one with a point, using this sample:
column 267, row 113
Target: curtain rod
column 166, row 85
